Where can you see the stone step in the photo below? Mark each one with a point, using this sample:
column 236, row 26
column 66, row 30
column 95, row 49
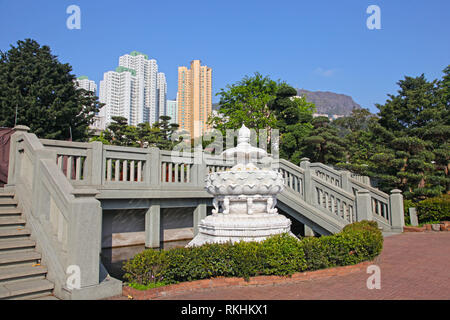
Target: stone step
column 6, row 195
column 47, row 298
column 19, row 257
column 7, row 244
column 11, row 221
column 14, row 232
column 11, row 273
column 7, row 202
column 9, row 211
column 25, row 289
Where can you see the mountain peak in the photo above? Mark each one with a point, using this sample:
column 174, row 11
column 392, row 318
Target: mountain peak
column 330, row 102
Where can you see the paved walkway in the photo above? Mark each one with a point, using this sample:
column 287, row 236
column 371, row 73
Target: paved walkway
column 413, row 266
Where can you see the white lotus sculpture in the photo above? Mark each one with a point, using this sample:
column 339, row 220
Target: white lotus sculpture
column 244, row 198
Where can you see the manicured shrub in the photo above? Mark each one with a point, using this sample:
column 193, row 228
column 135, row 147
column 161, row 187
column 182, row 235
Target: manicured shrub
column 316, row 253
column 361, row 225
column 281, row 254
column 434, row 209
column 146, row 267
column 246, row 258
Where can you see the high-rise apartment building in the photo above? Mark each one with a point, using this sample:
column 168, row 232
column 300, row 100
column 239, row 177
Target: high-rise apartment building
column 194, row 98
column 172, row 110
column 161, row 90
column 83, row 82
column 131, row 90
column 117, row 92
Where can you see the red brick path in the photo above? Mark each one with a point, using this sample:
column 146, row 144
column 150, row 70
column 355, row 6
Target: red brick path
column 413, row 266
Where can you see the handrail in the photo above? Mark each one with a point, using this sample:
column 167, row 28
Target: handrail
column 65, row 221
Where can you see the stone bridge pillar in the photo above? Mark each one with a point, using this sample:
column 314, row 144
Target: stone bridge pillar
column 397, row 213
column 152, row 224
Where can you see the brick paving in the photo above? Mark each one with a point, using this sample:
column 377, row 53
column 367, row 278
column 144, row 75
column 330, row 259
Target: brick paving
column 413, row 266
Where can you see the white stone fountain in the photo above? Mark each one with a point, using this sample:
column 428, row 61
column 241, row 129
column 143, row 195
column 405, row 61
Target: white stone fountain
column 244, row 198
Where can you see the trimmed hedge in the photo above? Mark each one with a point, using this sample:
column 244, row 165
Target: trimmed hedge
column 278, row 255
column 434, row 209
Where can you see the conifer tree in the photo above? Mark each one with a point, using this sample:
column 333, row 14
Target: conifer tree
column 41, row 91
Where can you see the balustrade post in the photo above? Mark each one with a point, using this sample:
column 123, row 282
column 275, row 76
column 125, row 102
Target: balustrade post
column 84, row 235
column 397, row 213
column 95, row 170
column 345, row 181
column 363, row 205
column 200, row 172
column 413, row 217
column 40, row 198
column 14, row 156
column 154, row 167
column 366, row 180
column 307, row 183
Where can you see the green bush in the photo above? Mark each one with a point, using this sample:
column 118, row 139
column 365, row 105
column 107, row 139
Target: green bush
column 434, row 209
column 278, row 255
column 281, row 255
column 316, row 253
column 146, row 267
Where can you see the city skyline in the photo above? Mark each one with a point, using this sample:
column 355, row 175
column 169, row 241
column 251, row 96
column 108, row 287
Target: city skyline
column 322, row 45
column 134, row 90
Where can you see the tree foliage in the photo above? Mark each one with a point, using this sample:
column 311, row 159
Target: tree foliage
column 245, row 102
column 42, row 90
column 407, row 145
column 159, row 135
column 293, row 119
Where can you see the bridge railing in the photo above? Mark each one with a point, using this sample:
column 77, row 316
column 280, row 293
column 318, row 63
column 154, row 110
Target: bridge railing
column 177, row 169
column 380, row 208
column 124, row 166
column 326, row 173
column 65, row 220
column 379, row 201
column 334, row 192
column 72, row 159
column 293, row 177
column 337, row 203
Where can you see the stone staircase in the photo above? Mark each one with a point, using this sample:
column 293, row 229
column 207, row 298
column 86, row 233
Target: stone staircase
column 21, row 274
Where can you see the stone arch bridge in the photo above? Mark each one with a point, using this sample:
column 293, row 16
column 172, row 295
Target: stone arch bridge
column 61, row 191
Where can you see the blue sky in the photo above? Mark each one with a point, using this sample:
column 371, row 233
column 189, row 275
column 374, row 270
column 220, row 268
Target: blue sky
column 315, row 45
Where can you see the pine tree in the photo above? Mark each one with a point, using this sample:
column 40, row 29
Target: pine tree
column 42, row 91
column 407, row 147
column 323, row 144
column 293, row 119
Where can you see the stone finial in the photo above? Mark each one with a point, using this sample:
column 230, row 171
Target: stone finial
column 244, row 134
column 81, row 193
column 304, row 159
column 396, row 191
column 21, row 128
column 363, row 191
